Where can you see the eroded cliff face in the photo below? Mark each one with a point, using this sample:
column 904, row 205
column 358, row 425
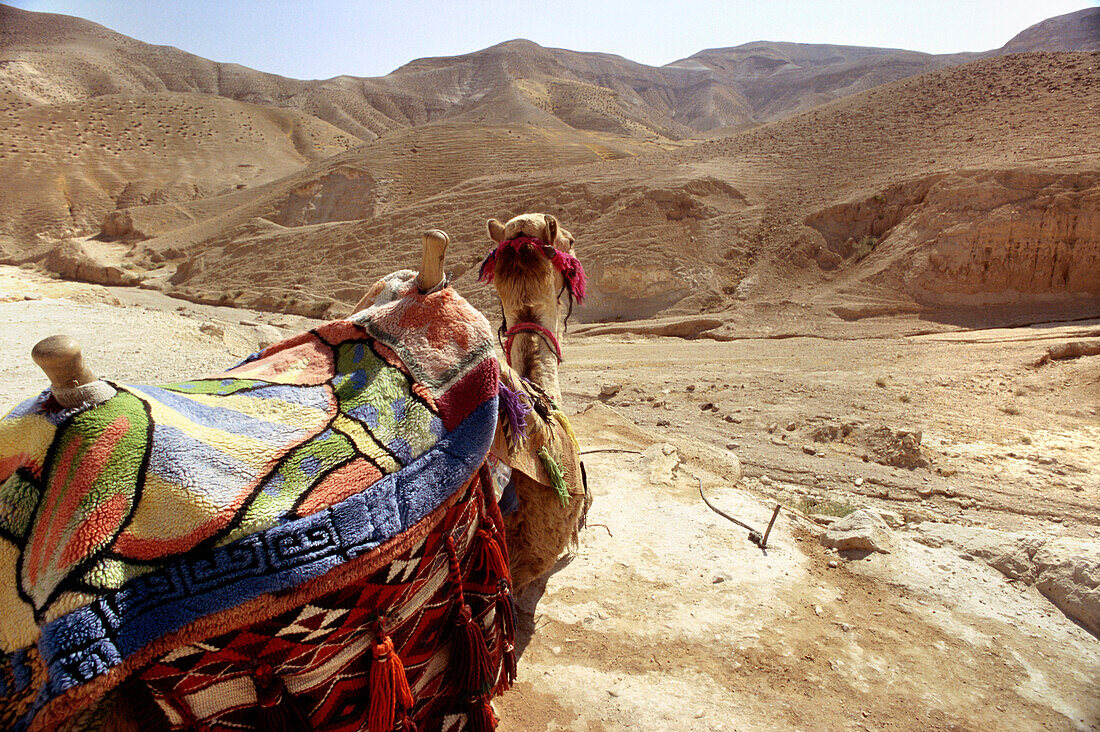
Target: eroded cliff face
column 342, row 195
column 973, row 238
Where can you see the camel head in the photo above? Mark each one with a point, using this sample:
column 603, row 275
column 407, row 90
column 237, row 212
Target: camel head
column 534, row 268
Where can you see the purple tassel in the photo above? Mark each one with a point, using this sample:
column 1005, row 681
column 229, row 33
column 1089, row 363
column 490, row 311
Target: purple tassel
column 516, row 410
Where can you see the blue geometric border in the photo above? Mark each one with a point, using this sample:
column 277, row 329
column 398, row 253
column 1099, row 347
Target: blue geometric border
column 89, row 641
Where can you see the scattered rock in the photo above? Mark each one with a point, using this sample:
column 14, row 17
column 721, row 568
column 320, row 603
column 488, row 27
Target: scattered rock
column 731, row 419
column 859, row 481
column 663, row 423
column 212, row 329
column 862, row 530
column 791, row 426
column 732, row 445
column 833, row 564
column 893, row 519
column 773, row 427
column 609, row 390
column 809, row 450
column 899, row 448
column 661, row 461
column 823, row 519
column 706, row 405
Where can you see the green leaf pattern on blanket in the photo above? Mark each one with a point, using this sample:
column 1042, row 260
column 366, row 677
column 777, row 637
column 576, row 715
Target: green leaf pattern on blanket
column 18, row 497
column 88, row 493
column 299, row 471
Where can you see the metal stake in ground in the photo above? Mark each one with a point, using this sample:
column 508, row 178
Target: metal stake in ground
column 754, row 535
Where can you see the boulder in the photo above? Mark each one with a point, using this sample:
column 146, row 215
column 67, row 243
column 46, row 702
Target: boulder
column 1068, row 572
column 862, row 530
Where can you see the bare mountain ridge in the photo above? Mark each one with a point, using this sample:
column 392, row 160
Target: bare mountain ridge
column 837, row 210
column 679, row 232
column 49, row 58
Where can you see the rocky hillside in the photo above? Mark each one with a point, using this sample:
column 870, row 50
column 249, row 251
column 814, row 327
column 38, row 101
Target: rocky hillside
column 218, row 183
column 46, row 58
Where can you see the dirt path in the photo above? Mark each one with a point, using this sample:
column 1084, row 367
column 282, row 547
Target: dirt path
column 667, row 617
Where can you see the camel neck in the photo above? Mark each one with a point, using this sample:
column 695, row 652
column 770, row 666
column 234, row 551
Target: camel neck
column 535, row 359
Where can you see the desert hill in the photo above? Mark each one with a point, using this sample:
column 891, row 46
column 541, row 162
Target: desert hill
column 1079, row 31
column 69, row 164
column 817, row 209
column 54, row 58
column 239, row 190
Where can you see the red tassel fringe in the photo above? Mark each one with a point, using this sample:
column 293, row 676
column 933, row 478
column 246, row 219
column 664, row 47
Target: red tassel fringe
column 276, row 710
column 389, row 688
column 498, row 565
column 506, row 612
column 469, row 656
column 480, row 716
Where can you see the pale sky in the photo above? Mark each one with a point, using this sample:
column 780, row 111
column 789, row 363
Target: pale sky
column 319, row 39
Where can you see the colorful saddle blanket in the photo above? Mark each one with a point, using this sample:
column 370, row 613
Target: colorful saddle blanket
column 270, row 538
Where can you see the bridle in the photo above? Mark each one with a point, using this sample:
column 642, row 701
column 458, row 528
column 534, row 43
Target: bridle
column 573, row 279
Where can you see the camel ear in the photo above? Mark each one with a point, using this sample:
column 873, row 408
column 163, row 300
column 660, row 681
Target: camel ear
column 496, row 231
column 551, row 229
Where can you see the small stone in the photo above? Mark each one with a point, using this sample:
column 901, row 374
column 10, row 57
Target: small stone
column 556, row 650
column 833, row 564
column 663, row 423
column 212, row 329
column 731, row 419
column 689, row 387
column 251, row 323
column 809, row 450
column 773, row 427
column 609, row 390
column 859, row 481
column 718, row 580
column 732, row 445
column 791, row 426
column 766, row 480
column 705, row 406
column 844, row 626
column 818, row 610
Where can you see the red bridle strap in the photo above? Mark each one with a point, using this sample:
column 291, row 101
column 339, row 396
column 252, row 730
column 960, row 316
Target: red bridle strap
column 529, row 327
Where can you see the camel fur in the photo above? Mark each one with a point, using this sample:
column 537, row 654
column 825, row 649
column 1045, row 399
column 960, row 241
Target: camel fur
column 543, row 526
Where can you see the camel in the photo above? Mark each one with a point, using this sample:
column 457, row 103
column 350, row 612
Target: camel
column 310, row 539
column 532, row 266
